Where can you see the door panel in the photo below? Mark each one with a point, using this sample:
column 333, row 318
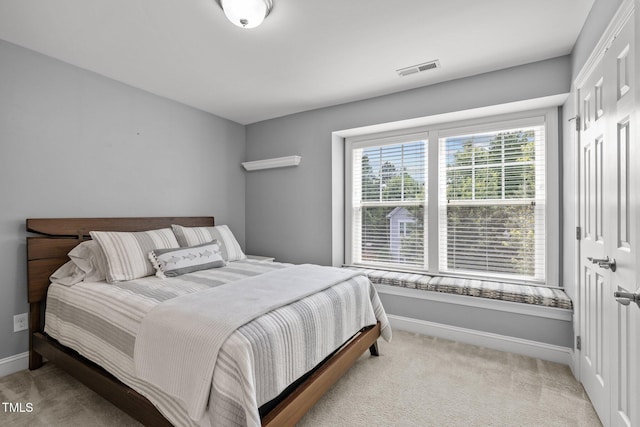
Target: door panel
column 609, row 181
column 594, row 366
column 599, row 207
column 624, row 240
column 622, row 405
column 621, row 63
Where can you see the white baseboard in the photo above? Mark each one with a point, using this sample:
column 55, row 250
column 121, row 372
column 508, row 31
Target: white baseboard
column 544, row 351
column 12, row 364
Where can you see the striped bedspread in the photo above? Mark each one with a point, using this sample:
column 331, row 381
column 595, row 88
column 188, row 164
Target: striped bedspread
column 255, row 364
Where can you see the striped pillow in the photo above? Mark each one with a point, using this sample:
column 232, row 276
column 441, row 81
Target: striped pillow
column 192, row 236
column 128, row 253
column 174, row 262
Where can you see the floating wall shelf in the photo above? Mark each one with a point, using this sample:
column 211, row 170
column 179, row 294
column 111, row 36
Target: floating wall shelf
column 278, row 162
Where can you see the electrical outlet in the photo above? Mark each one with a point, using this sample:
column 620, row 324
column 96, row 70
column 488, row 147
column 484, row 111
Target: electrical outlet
column 20, row 322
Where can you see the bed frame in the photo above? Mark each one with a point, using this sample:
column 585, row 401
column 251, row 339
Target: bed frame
column 48, row 251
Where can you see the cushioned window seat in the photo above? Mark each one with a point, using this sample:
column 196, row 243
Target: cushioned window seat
column 527, row 294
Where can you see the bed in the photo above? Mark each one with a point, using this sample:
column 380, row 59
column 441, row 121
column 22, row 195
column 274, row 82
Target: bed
column 85, row 355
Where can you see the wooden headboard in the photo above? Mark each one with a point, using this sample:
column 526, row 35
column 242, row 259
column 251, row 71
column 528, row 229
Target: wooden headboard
column 57, row 236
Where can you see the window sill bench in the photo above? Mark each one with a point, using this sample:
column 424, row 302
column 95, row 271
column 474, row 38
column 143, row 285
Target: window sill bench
column 526, row 294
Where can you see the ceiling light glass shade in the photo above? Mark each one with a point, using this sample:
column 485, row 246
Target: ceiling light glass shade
column 246, row 13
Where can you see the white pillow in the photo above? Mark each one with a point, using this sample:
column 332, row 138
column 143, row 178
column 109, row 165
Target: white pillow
column 68, row 275
column 127, row 254
column 88, row 264
column 89, row 257
column 192, row 236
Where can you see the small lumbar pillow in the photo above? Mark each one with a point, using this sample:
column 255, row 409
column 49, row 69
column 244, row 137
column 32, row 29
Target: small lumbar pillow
column 174, row 262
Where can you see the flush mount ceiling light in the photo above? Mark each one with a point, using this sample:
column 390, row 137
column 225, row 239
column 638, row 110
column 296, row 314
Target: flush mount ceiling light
column 246, row 13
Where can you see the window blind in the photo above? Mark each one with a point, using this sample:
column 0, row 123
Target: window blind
column 388, row 187
column 492, row 202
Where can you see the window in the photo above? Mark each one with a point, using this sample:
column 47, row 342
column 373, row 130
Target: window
column 388, row 203
column 486, row 204
column 492, row 199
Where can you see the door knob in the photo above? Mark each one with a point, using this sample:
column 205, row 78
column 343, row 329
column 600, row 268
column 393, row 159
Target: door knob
column 626, row 298
column 605, row 263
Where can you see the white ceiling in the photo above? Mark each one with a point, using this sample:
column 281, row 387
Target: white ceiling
column 307, row 54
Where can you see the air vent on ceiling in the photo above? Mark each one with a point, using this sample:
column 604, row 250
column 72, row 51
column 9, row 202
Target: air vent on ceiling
column 418, row 68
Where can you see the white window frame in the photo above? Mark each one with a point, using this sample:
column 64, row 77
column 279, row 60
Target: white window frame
column 364, row 142
column 539, row 172
column 432, row 133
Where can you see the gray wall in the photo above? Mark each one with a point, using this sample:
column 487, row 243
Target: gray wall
column 524, row 326
column 73, row 143
column 289, row 211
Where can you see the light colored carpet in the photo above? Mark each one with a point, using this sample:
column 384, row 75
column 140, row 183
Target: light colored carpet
column 417, row 381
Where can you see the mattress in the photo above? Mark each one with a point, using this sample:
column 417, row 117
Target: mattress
column 255, row 364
